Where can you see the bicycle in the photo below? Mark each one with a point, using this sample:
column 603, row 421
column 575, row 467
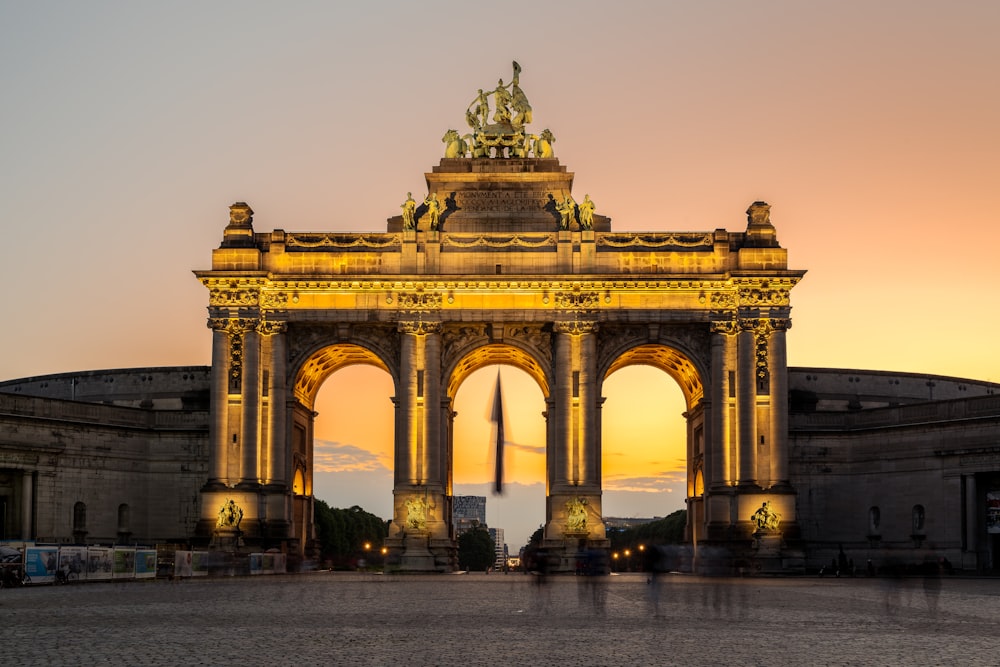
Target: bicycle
column 14, row 576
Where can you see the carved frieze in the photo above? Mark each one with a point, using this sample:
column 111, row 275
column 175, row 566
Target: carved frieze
column 418, row 300
column 577, row 300
column 233, row 296
column 763, row 296
column 273, row 299
column 722, row 300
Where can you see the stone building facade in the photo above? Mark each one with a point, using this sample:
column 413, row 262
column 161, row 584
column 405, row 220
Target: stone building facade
column 891, row 467
column 103, row 457
column 502, row 264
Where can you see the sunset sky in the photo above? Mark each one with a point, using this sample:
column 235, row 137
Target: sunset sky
column 872, row 128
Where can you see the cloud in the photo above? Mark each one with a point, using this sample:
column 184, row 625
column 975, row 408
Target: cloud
column 665, row 482
column 332, row 456
column 529, row 449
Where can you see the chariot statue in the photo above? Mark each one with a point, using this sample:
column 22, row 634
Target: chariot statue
column 505, row 136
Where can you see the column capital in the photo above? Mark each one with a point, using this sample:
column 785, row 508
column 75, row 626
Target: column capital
column 576, row 327
column 726, row 327
column 418, row 327
column 233, row 325
column 271, row 327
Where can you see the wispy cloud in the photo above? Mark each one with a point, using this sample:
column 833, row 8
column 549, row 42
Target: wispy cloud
column 529, row 449
column 332, row 456
column 665, row 482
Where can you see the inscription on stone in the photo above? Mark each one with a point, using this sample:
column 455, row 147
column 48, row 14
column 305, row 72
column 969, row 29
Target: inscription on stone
column 502, row 200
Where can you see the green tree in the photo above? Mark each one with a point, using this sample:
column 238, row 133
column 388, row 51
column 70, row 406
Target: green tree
column 342, row 533
column 668, row 530
column 475, row 549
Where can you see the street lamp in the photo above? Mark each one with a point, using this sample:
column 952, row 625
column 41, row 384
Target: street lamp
column 614, row 561
column 628, row 560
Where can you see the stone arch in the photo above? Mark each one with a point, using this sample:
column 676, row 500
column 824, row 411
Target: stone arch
column 324, row 361
column 668, row 358
column 491, row 354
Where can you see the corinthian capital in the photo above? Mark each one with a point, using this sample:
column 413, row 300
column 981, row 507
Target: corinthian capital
column 726, row 327
column 576, row 327
column 232, row 325
column 419, row 327
column 271, row 327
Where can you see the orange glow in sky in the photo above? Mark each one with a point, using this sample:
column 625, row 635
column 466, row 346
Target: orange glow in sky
column 870, row 127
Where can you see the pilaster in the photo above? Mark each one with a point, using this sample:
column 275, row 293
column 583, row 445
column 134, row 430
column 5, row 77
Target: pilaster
column 746, row 401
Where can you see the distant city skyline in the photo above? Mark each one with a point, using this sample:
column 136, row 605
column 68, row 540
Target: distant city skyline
column 869, row 127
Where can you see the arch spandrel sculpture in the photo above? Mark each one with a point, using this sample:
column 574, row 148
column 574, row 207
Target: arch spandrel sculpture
column 502, row 272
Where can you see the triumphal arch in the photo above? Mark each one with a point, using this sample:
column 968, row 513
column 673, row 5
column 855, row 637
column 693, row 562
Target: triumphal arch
column 499, row 262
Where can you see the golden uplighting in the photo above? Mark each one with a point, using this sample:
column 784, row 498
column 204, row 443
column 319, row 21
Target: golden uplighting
column 490, row 355
column 672, row 362
column 325, row 362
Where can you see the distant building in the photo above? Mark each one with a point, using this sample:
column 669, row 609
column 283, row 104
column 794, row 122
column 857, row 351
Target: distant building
column 499, row 548
column 468, row 511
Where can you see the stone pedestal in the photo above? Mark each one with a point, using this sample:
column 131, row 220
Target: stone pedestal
column 416, row 556
column 226, row 539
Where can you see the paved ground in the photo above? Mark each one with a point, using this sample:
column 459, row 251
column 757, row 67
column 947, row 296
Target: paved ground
column 355, row 619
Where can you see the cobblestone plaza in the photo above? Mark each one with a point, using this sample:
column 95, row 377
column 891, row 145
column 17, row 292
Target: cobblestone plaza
column 360, row 619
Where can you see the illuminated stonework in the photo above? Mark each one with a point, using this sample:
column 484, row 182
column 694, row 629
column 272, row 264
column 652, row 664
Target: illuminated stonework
column 500, row 278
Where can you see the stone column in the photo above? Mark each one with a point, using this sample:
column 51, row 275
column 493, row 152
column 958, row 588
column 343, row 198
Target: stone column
column 250, row 401
column 561, row 468
column 746, row 401
column 218, row 427
column 574, row 475
column 777, row 362
column 590, row 434
column 420, row 394
column 27, row 506
column 277, row 442
column 406, row 399
column 435, row 444
column 717, row 445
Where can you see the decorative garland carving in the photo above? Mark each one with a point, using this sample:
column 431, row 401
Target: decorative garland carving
column 682, row 240
column 235, row 363
column 516, row 240
column 342, row 240
column 761, row 335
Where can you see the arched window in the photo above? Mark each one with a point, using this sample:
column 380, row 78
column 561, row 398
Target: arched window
column 874, row 520
column 918, row 519
column 123, row 518
column 79, row 517
column 298, row 483
column 79, row 522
